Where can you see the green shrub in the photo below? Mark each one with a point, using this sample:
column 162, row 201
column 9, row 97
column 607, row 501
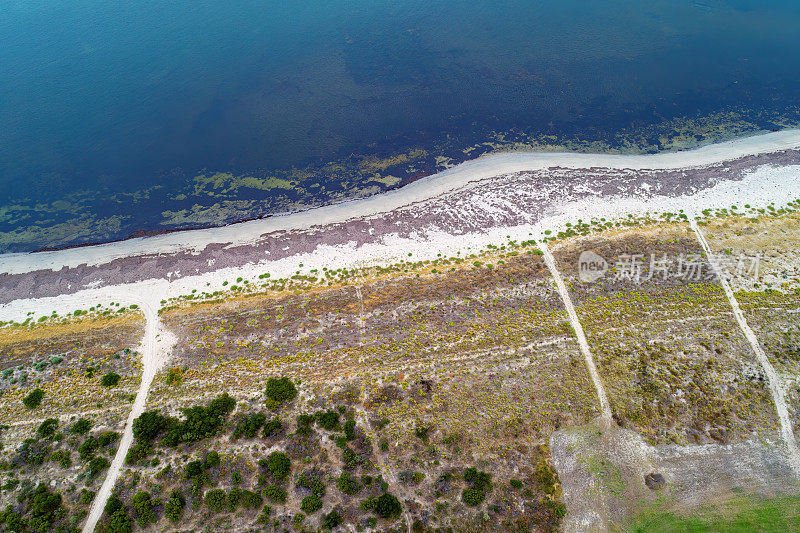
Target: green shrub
column 216, row 500
column 280, row 390
column 97, row 465
column 62, row 458
column 149, row 425
column 349, row 429
column 34, row 399
column 263, row 518
column 546, row 477
column 212, row 460
column 347, row 484
column 331, row 520
column 174, row 506
column 351, row 459
column 472, row 497
column 47, row 428
column 87, row 449
column 275, row 494
column 478, row 480
column 251, row 500
column 86, row 497
column 328, row 420
column 311, row 504
column 107, row 438
column 81, row 427
column 515, row 483
column 233, row 498
column 137, row 452
column 249, row 426
column 143, row 507
column 194, row 468
column 110, row 380
column 272, row 427
column 387, row 506
column 279, row 465
column 203, row 422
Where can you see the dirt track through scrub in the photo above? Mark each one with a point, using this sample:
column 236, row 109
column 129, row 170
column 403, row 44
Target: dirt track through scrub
column 155, row 347
column 773, row 380
column 605, row 407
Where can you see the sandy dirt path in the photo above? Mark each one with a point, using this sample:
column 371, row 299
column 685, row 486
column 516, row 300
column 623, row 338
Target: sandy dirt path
column 605, row 407
column 773, row 381
column 156, row 345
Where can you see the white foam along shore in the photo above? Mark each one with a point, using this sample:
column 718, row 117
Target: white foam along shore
column 760, row 187
column 454, row 178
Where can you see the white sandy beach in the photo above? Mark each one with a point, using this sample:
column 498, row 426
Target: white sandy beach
column 761, row 187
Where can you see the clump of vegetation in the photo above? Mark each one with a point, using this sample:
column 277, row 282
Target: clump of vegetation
column 200, row 423
column 280, row 390
column 47, row 428
column 328, row 420
column 117, row 519
column 110, row 380
column 40, row 510
column 81, row 427
column 386, row 506
column 32, row 452
column 279, row 465
column 216, row 500
column 347, row 484
column 144, row 508
column 272, row 427
column 33, row 399
column 311, row 504
column 174, row 507
column 248, row 426
column 97, row 465
column 275, row 494
column 479, row 484
column 331, row 520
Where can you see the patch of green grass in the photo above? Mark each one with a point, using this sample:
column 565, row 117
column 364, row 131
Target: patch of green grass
column 735, row 515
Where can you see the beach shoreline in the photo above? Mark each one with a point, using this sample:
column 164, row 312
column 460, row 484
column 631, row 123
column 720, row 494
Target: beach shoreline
column 463, row 208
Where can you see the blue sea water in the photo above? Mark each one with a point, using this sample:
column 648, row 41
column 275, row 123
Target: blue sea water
column 103, row 95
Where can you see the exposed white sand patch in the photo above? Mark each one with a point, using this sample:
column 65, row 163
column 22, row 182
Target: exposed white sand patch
column 760, row 187
column 427, row 188
column 605, row 407
column 773, row 381
column 155, row 348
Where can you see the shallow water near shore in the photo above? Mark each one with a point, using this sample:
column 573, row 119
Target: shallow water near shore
column 118, row 119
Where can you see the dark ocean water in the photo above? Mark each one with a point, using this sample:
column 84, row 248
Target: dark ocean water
column 100, row 98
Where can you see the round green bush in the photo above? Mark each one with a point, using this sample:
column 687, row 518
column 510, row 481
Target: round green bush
column 311, row 504
column 279, row 465
column 34, row 399
column 280, row 390
column 472, row 497
column 216, row 500
column 387, row 506
column 110, row 380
